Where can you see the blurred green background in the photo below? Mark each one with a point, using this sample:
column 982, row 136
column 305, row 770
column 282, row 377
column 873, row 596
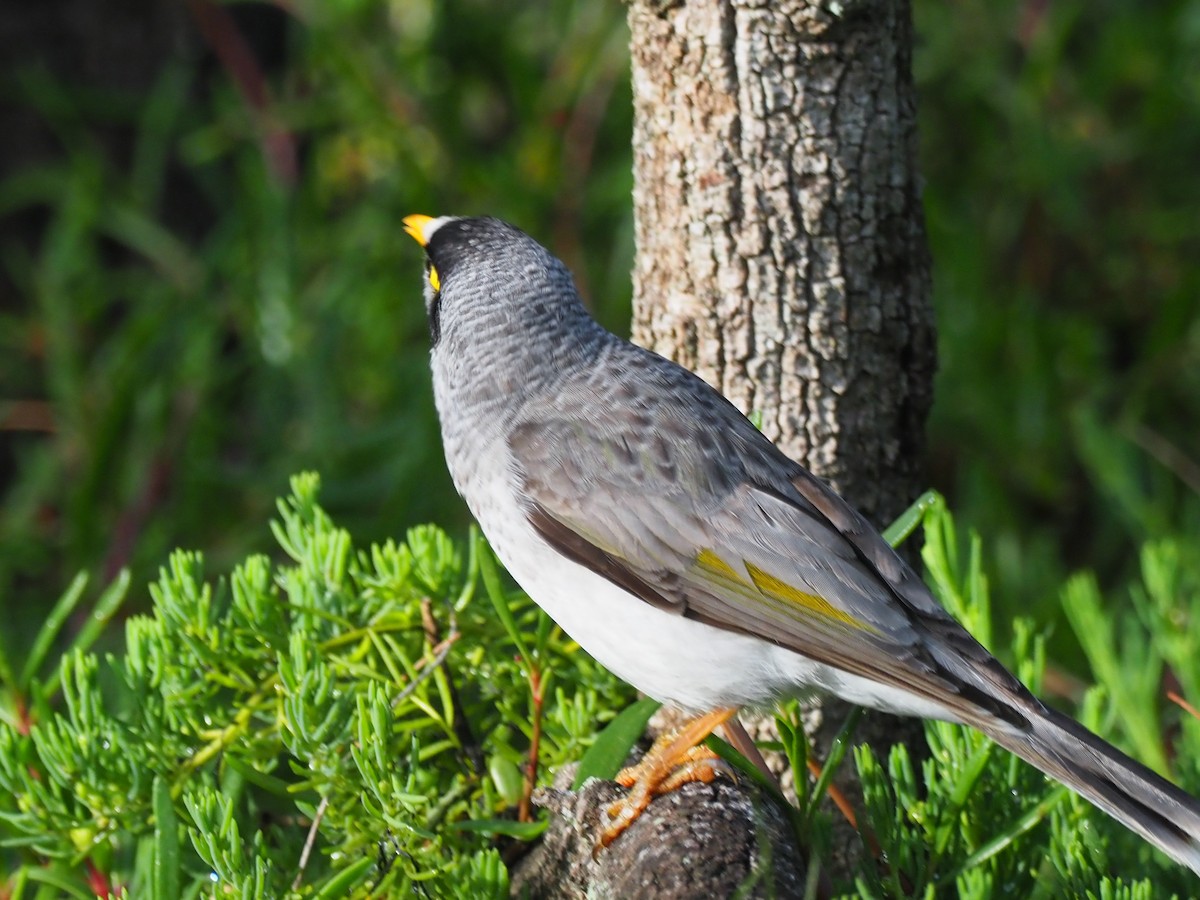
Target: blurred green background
column 203, row 286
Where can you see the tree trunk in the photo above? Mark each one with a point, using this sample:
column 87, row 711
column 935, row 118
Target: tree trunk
column 780, row 240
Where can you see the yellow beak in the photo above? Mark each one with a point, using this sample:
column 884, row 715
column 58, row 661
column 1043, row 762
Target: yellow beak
column 415, row 227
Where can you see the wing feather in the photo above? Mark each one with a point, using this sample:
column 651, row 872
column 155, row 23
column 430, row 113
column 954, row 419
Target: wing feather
column 727, row 530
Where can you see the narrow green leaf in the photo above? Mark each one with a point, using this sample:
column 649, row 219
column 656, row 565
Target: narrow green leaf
column 340, row 884
column 471, row 577
column 50, row 628
column 166, row 843
column 446, row 696
column 63, row 882
column 793, row 743
column 268, row 783
column 141, row 233
column 837, row 752
column 491, row 582
column 106, row 607
column 909, row 520
column 522, row 831
column 608, row 753
column 545, row 625
column 739, row 761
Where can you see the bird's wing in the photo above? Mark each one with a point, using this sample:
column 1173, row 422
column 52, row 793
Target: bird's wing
column 717, row 525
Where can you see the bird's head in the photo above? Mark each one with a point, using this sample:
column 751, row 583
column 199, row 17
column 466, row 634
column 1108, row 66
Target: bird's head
column 482, row 273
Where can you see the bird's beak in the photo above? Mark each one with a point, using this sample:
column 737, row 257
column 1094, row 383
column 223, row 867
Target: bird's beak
column 415, row 227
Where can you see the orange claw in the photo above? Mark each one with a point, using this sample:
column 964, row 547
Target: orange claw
column 675, row 759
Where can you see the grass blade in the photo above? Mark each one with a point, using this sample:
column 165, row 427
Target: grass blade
column 611, row 748
column 51, row 627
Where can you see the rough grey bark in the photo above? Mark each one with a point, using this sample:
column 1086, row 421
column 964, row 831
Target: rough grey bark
column 781, row 255
column 780, row 241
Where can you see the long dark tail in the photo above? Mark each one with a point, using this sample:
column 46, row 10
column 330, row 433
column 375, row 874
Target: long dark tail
column 1138, row 798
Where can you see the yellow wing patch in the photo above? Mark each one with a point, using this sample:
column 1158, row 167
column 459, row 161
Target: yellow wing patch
column 706, row 559
column 774, row 589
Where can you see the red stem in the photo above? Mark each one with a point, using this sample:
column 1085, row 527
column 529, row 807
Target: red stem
column 535, row 741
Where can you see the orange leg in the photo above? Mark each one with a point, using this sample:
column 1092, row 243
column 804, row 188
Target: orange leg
column 674, row 760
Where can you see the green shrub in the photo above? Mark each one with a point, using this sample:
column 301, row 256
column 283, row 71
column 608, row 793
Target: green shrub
column 354, row 722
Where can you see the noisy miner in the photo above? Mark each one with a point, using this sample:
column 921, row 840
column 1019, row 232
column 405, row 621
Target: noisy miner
column 686, row 553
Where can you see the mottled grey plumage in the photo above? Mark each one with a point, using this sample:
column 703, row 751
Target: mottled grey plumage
column 685, row 551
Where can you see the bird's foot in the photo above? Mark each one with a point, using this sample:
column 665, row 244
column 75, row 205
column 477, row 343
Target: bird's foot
column 674, row 759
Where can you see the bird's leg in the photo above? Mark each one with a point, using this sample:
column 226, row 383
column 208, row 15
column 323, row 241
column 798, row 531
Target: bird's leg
column 739, row 739
column 675, row 759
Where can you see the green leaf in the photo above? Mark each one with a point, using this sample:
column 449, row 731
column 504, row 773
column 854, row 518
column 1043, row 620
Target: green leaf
column 491, row 582
column 50, row 628
column 837, row 752
column 166, row 843
column 793, row 743
column 506, row 776
column 340, row 884
column 102, row 613
column 55, row 878
column 611, row 747
column 909, row 520
column 523, row 831
column 741, row 762
column 268, row 783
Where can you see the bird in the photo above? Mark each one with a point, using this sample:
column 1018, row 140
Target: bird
column 677, row 545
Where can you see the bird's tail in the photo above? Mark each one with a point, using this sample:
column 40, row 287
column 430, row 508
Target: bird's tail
column 1141, row 800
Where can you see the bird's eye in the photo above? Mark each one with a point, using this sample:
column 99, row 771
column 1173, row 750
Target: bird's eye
column 431, row 273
